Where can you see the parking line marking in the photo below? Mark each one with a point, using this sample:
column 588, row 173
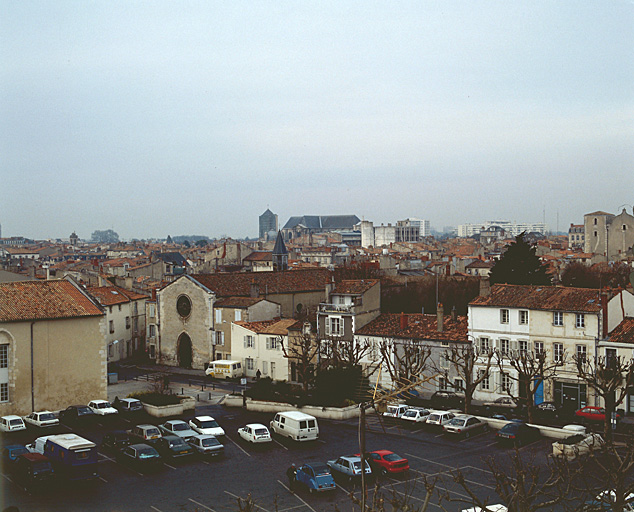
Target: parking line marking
column 168, row 465
column 417, row 498
column 238, row 497
column 243, row 450
column 417, row 431
column 298, row 497
column 321, row 441
column 280, row 444
column 154, row 508
column 205, row 462
column 201, row 505
column 480, row 469
column 103, row 479
column 105, row 457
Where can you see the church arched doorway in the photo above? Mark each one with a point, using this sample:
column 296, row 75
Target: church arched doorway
column 184, row 351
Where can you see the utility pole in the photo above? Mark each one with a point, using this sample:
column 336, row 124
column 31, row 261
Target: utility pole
column 364, row 486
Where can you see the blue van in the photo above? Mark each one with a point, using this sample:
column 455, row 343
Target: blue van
column 73, row 457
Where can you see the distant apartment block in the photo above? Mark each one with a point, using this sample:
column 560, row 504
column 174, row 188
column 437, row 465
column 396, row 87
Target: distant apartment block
column 513, row 228
column 268, row 225
column 408, row 230
column 297, row 227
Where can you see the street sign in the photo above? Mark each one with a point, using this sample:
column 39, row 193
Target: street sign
column 243, row 381
column 613, row 421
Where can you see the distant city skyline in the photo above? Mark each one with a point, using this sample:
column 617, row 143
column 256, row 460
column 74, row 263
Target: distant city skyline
column 159, row 118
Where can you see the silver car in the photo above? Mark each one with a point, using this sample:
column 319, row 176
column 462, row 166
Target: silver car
column 206, row 445
column 465, row 425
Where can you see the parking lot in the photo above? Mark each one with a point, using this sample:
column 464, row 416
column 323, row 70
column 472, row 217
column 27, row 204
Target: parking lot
column 259, row 471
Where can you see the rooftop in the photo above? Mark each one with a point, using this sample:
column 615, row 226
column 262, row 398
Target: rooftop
column 419, row 327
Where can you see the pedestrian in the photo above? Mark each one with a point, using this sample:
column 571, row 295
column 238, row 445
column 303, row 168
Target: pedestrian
column 291, row 473
column 258, row 374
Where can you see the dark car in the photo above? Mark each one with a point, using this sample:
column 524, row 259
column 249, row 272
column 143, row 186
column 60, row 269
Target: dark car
column 77, row 414
column 446, row 399
column 33, row 469
column 140, row 456
column 11, row 452
column 548, row 411
column 116, row 440
column 517, row 433
column 316, row 477
column 173, row 446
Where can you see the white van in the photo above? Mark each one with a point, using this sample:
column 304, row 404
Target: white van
column 296, row 425
column 224, row 369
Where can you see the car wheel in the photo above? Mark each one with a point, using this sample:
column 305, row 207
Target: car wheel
column 383, row 471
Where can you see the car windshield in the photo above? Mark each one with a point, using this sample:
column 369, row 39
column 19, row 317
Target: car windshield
column 208, row 424
column 179, row 427
column 510, row 428
column 210, row 441
column 103, row 405
column 152, row 431
column 15, row 422
column 147, row 453
column 391, row 457
column 321, row 469
column 261, row 431
column 42, row 466
column 434, row 417
column 176, row 443
column 19, row 451
column 47, row 417
column 83, row 410
column 458, row 422
column 410, row 414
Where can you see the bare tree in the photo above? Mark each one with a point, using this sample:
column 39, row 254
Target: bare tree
column 303, row 349
column 610, row 377
column 532, row 369
column 463, row 358
column 404, row 360
column 337, row 353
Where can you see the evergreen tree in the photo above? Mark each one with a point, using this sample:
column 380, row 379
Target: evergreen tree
column 519, row 265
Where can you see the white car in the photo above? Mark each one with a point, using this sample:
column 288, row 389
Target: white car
column 439, row 418
column 102, row 407
column 42, row 419
column 395, row 410
column 206, row 425
column 415, row 415
column 577, row 445
column 11, row 423
column 177, row 428
column 255, row 433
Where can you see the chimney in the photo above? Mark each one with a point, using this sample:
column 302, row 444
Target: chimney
column 485, row 287
column 404, row 320
column 128, row 283
column 440, row 316
column 255, row 289
column 154, row 294
column 454, row 314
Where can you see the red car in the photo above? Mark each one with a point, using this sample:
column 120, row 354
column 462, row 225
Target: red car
column 590, row 413
column 384, row 462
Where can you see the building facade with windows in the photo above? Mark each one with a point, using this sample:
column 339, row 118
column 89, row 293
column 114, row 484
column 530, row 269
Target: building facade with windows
column 557, row 321
column 52, row 351
column 609, row 235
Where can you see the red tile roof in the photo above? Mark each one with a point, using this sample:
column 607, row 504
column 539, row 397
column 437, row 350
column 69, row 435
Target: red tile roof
column 44, row 300
column 270, row 283
column 259, row 256
column 354, row 286
column 419, row 327
column 276, row 326
column 111, row 295
column 548, row 298
column 624, row 332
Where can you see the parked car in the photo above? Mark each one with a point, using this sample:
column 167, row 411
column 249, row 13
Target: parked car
column 41, row 419
column 102, row 407
column 296, row 425
column 395, row 410
column 11, row 423
column 38, row 445
column 517, row 433
column 505, row 402
column 316, row 477
column 593, row 414
column 77, row 414
column 207, row 445
column 548, row 410
column 349, row 467
column 439, row 418
column 446, row 399
column 465, row 425
column 116, row 440
column 383, row 462
column 141, row 456
column 206, row 425
column 145, row 433
column 255, row 433
column 177, row 428
column 173, row 446
column 33, row 469
column 11, row 452
column 415, row 415
column 127, row 405
column 605, row 501
column 577, row 445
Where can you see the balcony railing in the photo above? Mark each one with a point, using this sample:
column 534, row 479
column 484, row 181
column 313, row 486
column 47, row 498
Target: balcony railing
column 336, row 308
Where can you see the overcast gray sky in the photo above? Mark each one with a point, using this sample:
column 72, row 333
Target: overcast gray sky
column 156, row 118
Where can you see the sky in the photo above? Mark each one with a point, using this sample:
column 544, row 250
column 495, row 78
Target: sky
column 156, row 118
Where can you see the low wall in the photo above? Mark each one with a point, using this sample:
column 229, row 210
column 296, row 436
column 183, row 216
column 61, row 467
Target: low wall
column 552, row 432
column 331, row 413
column 163, row 411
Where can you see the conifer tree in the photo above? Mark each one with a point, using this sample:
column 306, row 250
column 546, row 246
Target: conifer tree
column 519, row 265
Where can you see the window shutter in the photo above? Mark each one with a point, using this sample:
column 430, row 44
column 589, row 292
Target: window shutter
column 246, row 343
column 268, row 343
column 327, row 326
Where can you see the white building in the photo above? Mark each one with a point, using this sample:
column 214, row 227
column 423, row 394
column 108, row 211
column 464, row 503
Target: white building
column 514, row 228
column 559, row 321
column 408, row 231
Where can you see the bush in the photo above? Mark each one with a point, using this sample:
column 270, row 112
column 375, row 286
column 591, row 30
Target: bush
column 158, row 399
